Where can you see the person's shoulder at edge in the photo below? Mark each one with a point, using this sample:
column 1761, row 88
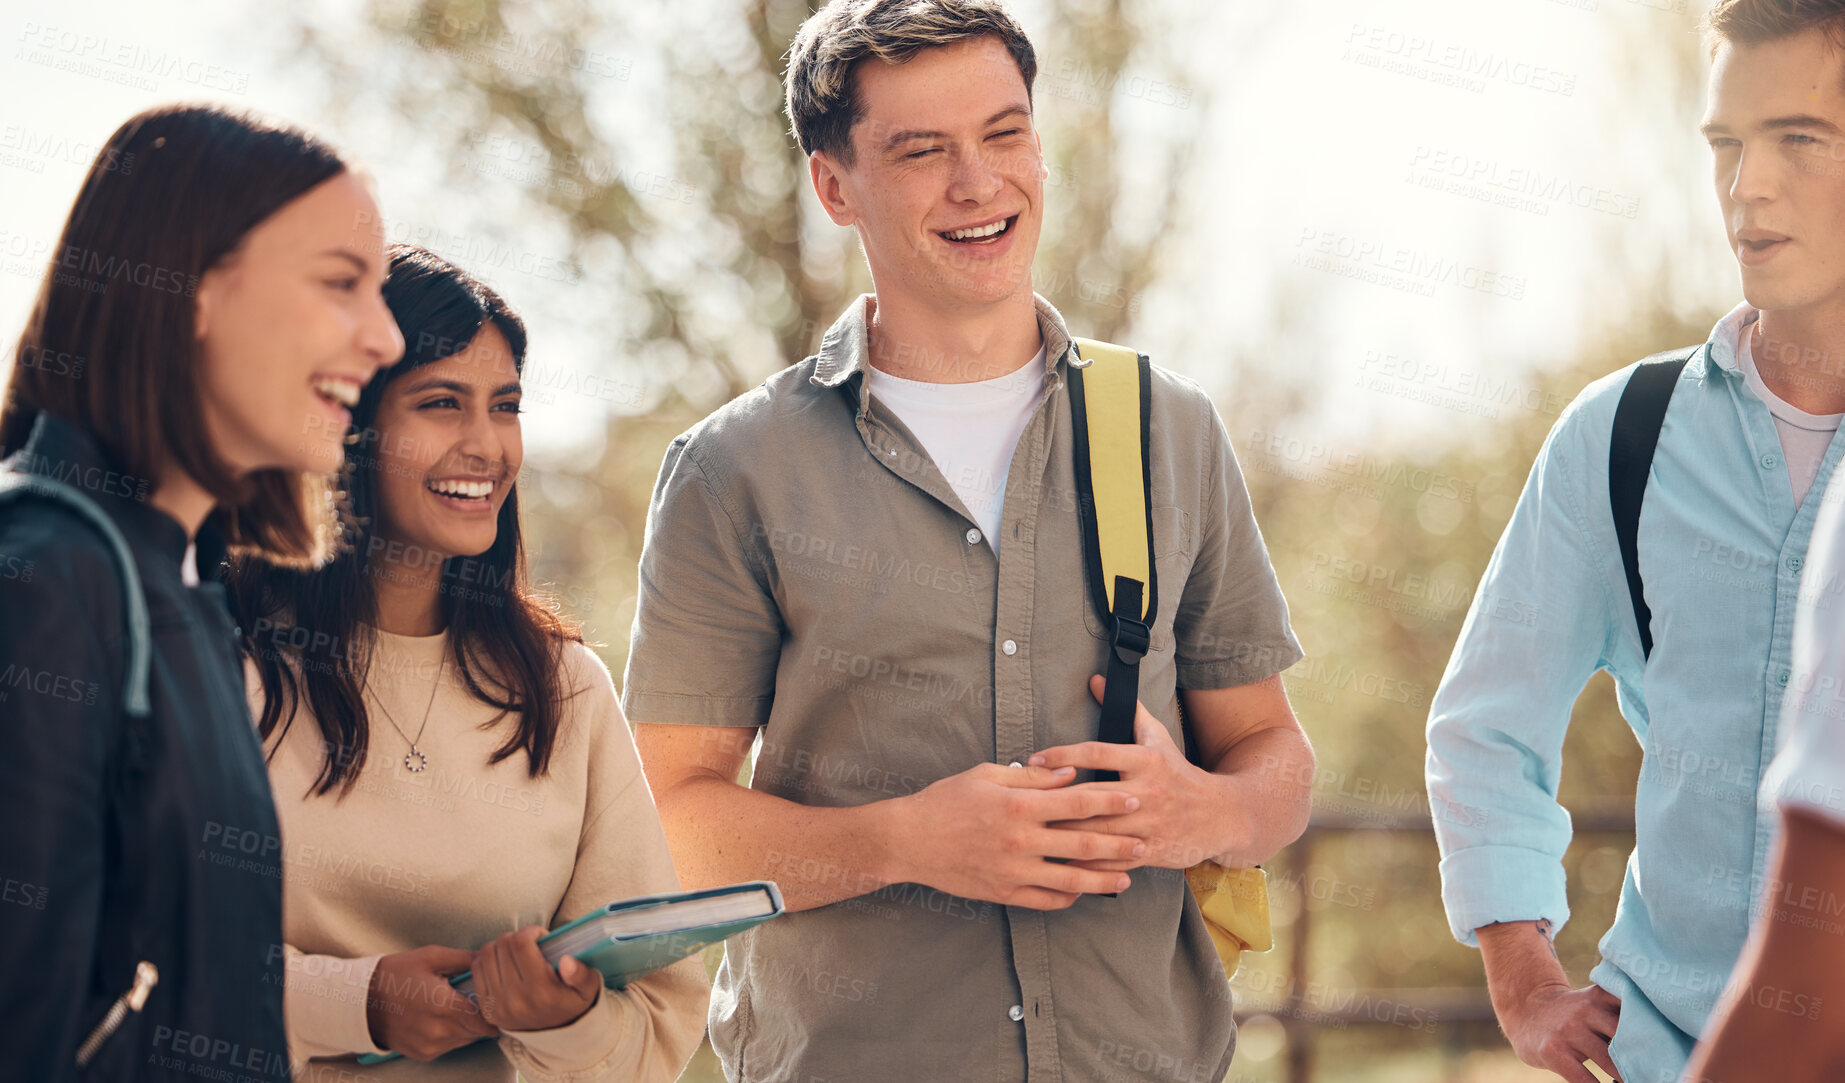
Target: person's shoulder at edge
column 52, row 561
column 1587, row 421
column 1179, row 395
column 760, row 417
column 591, row 704
column 1598, row 398
column 585, row 674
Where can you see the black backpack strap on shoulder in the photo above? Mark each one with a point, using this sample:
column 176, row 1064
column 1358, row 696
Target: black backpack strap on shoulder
column 1638, row 418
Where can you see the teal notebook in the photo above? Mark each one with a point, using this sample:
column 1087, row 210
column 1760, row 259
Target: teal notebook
column 632, row 938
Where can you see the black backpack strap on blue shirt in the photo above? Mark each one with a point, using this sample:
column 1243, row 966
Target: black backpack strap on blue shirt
column 1638, row 418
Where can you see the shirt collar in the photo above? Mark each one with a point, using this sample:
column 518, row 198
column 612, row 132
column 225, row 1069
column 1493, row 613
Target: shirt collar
column 1727, row 334
column 846, row 349
column 58, row 450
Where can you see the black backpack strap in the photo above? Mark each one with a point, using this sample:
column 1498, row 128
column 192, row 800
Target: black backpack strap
column 1638, row 418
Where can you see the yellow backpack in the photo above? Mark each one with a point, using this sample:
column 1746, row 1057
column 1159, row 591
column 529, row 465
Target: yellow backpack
column 1110, row 402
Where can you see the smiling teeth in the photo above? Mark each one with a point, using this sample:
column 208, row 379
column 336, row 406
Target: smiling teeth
column 976, row 234
column 469, row 490
column 344, row 392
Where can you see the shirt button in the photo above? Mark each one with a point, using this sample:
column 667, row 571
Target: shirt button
column 973, row 536
column 1016, row 1012
column 1009, row 647
column 1769, row 462
column 1794, row 564
column 1781, row 677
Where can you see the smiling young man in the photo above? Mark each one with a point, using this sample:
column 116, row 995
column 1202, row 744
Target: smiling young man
column 874, row 562
column 1748, row 432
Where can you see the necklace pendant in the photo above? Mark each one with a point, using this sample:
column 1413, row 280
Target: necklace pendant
column 415, row 761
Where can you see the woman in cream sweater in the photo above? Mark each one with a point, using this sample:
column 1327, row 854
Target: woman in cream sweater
column 452, row 772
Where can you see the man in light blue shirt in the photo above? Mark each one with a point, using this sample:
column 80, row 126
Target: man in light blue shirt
column 1722, row 538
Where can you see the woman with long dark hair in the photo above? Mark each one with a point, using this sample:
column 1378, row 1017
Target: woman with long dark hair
column 180, row 389
column 452, row 770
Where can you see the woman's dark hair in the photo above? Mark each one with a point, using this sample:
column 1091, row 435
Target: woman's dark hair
column 311, row 632
column 110, row 347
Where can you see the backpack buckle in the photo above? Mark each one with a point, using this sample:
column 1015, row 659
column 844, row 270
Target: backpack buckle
column 1131, row 640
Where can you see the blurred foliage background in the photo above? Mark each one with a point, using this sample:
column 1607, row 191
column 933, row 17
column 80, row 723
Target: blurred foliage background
column 696, row 225
column 1240, row 190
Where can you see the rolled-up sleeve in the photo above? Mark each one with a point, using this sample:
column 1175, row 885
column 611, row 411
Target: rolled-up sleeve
column 707, row 633
column 1537, row 630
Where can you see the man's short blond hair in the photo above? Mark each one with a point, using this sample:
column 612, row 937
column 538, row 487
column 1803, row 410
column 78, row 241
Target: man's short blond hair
column 823, row 102
column 1753, row 22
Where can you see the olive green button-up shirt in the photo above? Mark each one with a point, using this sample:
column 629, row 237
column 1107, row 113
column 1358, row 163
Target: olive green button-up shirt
column 809, row 571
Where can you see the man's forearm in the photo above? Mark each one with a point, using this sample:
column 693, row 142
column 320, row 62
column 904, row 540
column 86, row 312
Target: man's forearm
column 1268, row 778
column 723, row 833
column 1519, row 958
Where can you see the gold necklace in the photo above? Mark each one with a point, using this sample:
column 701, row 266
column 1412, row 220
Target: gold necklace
column 414, row 760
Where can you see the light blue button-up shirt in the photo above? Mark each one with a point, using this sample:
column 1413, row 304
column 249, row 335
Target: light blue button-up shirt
column 1721, row 546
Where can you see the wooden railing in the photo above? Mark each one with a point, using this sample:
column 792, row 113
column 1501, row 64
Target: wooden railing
column 1301, row 1020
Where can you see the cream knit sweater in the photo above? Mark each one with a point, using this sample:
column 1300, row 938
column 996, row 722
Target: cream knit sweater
column 462, row 852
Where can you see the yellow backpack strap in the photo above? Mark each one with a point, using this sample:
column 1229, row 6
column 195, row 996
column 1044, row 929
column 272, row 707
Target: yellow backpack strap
column 1110, row 400
column 1109, row 404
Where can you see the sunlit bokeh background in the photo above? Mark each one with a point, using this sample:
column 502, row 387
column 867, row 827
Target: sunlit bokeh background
column 1391, row 237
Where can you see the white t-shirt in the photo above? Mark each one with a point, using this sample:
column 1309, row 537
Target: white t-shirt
column 1809, row 771
column 1804, row 437
column 970, row 430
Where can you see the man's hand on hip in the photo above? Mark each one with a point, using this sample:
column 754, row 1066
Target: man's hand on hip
column 1549, row 1024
